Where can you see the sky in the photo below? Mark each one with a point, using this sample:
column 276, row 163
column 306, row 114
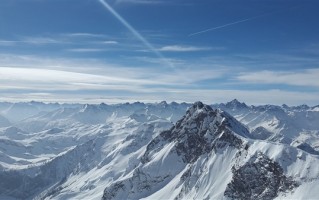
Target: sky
column 114, row 51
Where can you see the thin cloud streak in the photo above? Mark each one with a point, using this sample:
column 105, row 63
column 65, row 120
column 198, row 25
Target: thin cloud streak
column 135, row 32
column 92, row 35
column 110, row 42
column 178, row 48
column 32, row 41
column 28, row 78
column 52, row 76
column 86, row 50
column 307, row 77
column 148, row 2
column 8, row 42
column 229, row 24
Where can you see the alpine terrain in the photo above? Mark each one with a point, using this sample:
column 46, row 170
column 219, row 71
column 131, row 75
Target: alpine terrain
column 158, row 151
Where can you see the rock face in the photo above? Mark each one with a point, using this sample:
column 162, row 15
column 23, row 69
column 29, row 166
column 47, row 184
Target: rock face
column 200, row 131
column 259, row 178
column 306, row 147
column 260, row 133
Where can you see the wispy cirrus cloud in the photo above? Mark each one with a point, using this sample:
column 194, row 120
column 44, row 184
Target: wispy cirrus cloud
column 85, row 50
column 92, row 35
column 149, row 2
column 155, row 2
column 308, row 77
column 42, row 40
column 180, row 48
column 26, row 72
column 33, row 41
column 8, row 42
column 109, row 42
column 60, row 80
column 65, row 38
column 88, row 80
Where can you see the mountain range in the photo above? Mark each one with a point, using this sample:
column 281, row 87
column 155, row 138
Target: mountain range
column 158, row 151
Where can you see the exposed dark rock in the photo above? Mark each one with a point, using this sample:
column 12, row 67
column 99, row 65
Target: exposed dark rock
column 111, row 192
column 261, row 133
column 259, row 178
column 306, row 147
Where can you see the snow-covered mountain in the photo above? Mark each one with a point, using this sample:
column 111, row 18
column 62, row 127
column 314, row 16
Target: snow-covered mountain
column 152, row 151
column 297, row 126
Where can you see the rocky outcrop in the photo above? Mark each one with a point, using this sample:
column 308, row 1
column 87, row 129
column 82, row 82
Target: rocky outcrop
column 259, row 178
column 200, row 131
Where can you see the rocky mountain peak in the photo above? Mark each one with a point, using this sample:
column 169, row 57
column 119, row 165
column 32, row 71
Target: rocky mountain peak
column 200, row 131
column 198, row 107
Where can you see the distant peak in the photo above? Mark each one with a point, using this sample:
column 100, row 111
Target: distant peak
column 235, row 101
column 163, row 103
column 89, row 107
column 285, row 106
column 235, row 104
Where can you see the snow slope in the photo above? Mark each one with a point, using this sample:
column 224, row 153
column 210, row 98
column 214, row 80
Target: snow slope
column 297, row 126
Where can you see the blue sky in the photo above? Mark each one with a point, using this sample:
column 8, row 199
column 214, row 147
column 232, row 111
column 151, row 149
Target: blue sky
column 258, row 51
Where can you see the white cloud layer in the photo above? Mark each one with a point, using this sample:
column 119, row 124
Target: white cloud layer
column 307, row 77
column 255, row 97
column 45, row 74
column 25, row 77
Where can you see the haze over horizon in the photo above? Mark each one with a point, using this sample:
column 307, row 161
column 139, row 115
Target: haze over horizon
column 259, row 52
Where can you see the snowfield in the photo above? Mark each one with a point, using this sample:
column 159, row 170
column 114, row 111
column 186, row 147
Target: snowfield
column 158, row 151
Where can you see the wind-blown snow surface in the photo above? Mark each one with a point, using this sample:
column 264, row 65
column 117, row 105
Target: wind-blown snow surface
column 147, row 151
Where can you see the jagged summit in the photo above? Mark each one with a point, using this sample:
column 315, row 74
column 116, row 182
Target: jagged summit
column 198, row 107
column 200, row 131
column 204, row 114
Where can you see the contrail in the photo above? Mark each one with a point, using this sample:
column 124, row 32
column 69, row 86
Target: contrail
column 229, row 24
column 135, row 32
